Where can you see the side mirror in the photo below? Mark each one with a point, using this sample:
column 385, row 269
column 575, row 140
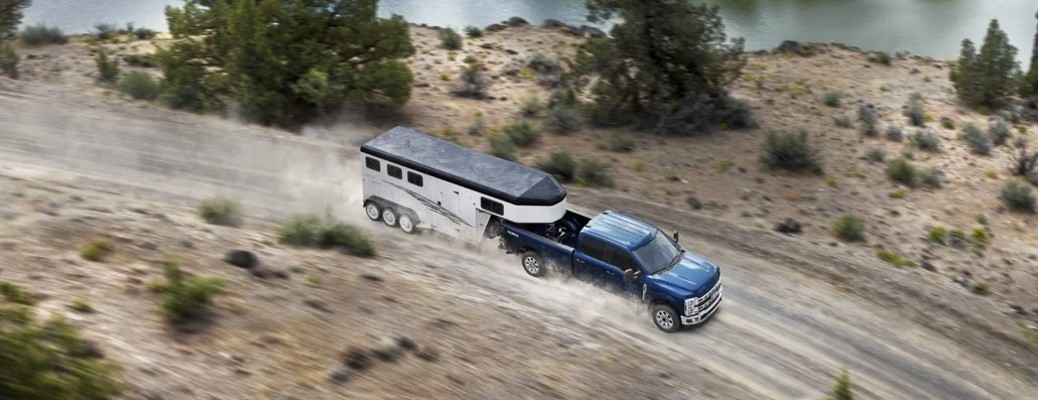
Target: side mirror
column 676, row 236
column 628, row 275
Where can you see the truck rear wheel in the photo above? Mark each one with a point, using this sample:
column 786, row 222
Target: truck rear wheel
column 532, row 264
column 665, row 318
column 372, row 210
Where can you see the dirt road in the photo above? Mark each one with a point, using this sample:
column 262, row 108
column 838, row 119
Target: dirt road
column 795, row 313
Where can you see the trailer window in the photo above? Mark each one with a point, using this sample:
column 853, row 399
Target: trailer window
column 492, row 206
column 394, row 171
column 373, row 164
column 414, row 179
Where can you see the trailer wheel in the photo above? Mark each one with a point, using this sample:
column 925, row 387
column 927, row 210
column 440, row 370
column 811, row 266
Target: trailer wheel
column 533, row 264
column 389, row 217
column 665, row 318
column 406, row 223
column 373, row 211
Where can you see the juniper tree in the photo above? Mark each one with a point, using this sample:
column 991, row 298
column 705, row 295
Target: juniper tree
column 988, row 77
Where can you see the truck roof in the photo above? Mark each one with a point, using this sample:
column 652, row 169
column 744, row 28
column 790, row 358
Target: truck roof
column 484, row 173
column 622, row 230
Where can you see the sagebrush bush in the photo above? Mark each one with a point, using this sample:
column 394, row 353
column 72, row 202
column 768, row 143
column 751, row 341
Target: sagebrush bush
column 221, row 210
column 562, row 120
column 1018, row 196
column 998, row 131
column 97, row 250
column 947, row 123
column 915, row 112
column 894, row 133
column 41, row 34
column 473, row 31
column 477, row 127
column 790, row 151
column 450, row 39
column 474, row 81
column 843, row 121
column 894, row 258
column 880, row 57
column 932, row 177
column 593, row 173
column 530, row 105
column 16, row 294
column 324, row 231
column 145, row 60
column 926, row 141
column 144, row 33
column 902, row 171
column 8, row 60
column 938, row 234
column 562, row 165
column 521, row 133
column 832, row 98
column 105, row 31
column 107, row 69
column 978, row 141
column 501, row 146
column 849, row 227
column 140, row 85
column 869, row 120
column 622, row 144
column 186, row 299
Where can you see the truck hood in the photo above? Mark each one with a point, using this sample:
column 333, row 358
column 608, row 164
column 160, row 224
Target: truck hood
column 693, row 276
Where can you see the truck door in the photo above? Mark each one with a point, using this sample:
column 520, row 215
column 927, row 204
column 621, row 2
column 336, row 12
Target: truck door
column 591, row 263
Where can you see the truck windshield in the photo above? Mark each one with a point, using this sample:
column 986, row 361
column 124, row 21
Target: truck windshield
column 659, row 254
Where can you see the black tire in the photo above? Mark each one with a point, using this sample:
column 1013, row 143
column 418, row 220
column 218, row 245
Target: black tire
column 389, row 216
column 408, row 223
column 665, row 318
column 373, row 211
column 493, row 228
column 533, row 264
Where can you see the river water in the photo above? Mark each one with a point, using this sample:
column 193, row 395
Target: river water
column 928, row 27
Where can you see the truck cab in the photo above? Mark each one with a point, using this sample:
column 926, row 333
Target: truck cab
column 625, row 255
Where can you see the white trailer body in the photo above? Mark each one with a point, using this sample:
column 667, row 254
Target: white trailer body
column 417, row 181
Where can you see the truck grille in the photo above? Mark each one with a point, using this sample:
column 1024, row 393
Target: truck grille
column 709, row 298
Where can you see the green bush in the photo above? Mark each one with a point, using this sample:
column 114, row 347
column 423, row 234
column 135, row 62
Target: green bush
column 880, row 57
column 849, row 227
column 938, row 234
column 450, row 39
column 982, row 288
column 107, row 69
column 105, row 31
column 915, row 111
column 97, row 250
column 49, row 360
column 998, row 131
column 81, row 306
column 593, row 173
column 622, row 144
column 41, row 34
column 562, row 120
column 978, row 141
column 875, row 154
column 947, row 123
column 473, row 31
column 477, row 127
column 843, row 121
column 926, row 141
column 897, row 194
column 521, row 133
column 562, row 165
column 843, row 390
column 8, row 60
column 15, row 294
column 832, row 98
column 980, row 236
column 1018, row 196
column 932, row 178
column 144, row 33
column 221, row 210
column 501, row 146
column 140, row 85
column 894, row 133
column 902, row 171
column 585, row 172
column 790, row 151
column 186, row 299
column 325, row 231
column 530, row 105
column 894, row 258
column 869, row 120
column 146, row 60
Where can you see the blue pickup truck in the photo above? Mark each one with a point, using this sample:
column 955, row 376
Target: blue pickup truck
column 625, row 255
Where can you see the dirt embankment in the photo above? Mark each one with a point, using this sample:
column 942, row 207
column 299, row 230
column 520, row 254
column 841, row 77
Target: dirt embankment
column 81, row 162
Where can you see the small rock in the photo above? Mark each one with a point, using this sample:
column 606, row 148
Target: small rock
column 927, row 265
column 789, row 226
column 371, row 277
column 356, row 358
column 242, row 258
column 317, row 305
column 428, row 354
column 386, row 350
column 405, row 341
column 1018, row 310
column 90, row 349
column 511, row 52
column 495, row 28
column 490, row 46
column 694, row 203
column 339, row 375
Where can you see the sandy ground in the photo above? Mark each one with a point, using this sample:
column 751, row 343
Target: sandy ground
column 80, row 162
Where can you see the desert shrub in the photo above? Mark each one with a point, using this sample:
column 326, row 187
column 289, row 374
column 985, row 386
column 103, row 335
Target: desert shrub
column 1023, row 161
column 325, row 231
column 938, row 234
column 593, row 173
column 843, row 121
column 980, row 236
column 875, row 154
column 926, row 141
column 146, row 60
column 562, row 165
column 998, row 131
column 81, row 306
column 562, row 120
column 501, row 146
column 790, row 151
column 530, row 105
column 477, row 127
column 894, row 258
column 932, row 177
column 915, row 111
column 474, row 81
column 544, row 64
column 15, row 294
column 450, row 39
column 894, row 133
column 521, row 133
column 978, row 141
column 473, row 31
column 897, row 194
column 105, row 31
column 947, row 123
column 97, row 250
column 1018, row 196
column 832, row 98
column 563, row 97
column 49, row 360
column 8, row 60
column 982, row 219
column 144, row 33
column 902, row 171
column 41, row 34
column 907, row 153
column 622, row 144
column 880, row 57
column 107, row 69
column 842, row 389
column 221, row 210
column 140, row 85
column 849, row 227
column 982, row 288
column 186, row 299
column 869, row 120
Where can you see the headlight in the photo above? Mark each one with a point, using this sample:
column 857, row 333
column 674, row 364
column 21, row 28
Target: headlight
column 690, row 305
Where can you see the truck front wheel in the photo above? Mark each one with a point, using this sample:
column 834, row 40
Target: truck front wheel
column 533, row 264
column 665, row 318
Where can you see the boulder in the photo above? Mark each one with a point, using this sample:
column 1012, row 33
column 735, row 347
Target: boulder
column 242, row 259
column 517, row 21
column 495, row 27
column 790, row 227
column 553, row 24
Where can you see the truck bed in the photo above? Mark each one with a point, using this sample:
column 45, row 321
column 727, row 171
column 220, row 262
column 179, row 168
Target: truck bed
column 553, row 248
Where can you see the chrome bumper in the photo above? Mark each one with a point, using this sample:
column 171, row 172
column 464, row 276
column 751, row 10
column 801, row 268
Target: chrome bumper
column 704, row 314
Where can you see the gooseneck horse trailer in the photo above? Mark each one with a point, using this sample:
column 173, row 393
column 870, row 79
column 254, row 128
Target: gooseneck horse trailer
column 415, row 181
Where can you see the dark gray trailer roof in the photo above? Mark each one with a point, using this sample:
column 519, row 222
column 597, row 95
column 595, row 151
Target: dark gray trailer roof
column 503, row 179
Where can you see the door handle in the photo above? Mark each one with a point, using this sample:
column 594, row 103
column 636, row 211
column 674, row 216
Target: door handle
column 579, row 261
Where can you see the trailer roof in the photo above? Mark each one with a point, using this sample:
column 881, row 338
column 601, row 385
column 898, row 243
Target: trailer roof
column 503, row 179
